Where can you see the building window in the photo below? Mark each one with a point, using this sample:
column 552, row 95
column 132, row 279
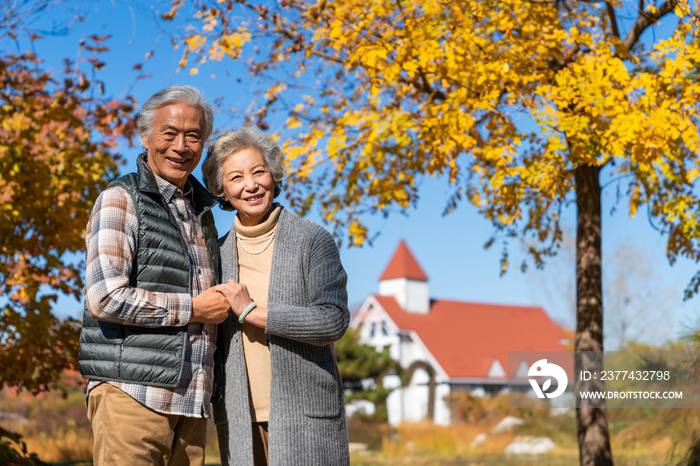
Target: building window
column 371, row 329
column 385, row 331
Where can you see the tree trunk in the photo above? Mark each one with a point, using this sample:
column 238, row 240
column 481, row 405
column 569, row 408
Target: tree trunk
column 591, row 420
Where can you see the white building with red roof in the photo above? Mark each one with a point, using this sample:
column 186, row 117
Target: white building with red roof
column 445, row 345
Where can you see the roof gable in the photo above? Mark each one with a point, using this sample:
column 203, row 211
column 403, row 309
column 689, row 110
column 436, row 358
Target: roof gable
column 403, row 265
column 467, row 339
column 496, row 370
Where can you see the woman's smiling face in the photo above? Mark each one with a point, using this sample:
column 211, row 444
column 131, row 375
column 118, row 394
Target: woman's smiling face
column 248, row 185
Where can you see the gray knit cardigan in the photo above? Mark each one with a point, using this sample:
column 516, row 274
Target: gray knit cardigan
column 307, row 312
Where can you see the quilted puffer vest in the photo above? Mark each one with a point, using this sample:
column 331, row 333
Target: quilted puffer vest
column 146, row 355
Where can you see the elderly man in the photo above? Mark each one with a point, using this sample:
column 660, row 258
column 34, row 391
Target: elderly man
column 149, row 331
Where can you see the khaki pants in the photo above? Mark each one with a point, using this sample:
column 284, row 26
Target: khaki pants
column 128, row 433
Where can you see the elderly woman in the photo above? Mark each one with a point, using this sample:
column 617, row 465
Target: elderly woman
column 284, row 281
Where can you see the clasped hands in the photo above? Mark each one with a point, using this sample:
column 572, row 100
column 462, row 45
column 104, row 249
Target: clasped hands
column 212, row 306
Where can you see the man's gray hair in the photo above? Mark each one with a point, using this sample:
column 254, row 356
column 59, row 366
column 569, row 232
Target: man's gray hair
column 231, row 142
column 171, row 95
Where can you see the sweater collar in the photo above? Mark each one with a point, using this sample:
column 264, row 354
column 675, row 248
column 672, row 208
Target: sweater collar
column 262, row 228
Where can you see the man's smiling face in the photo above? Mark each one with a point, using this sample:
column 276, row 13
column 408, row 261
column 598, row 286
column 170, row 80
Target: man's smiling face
column 175, row 144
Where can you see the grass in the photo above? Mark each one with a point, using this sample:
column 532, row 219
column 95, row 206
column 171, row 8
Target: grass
column 556, row 459
column 56, row 428
column 639, row 437
column 428, row 444
column 54, row 424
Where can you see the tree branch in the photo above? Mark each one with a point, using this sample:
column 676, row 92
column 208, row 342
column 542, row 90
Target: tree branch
column 645, row 20
column 421, row 84
column 613, row 19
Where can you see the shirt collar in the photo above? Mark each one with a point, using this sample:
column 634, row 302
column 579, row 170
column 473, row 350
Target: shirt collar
column 169, row 190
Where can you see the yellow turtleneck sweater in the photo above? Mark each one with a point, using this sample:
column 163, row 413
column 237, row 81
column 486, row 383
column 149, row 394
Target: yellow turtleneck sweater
column 254, row 272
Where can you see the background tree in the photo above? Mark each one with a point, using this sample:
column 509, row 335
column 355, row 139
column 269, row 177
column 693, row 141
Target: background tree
column 362, row 369
column 520, row 105
column 57, row 139
column 636, row 305
column 636, row 302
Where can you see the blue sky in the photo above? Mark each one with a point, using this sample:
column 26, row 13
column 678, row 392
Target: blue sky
column 450, row 248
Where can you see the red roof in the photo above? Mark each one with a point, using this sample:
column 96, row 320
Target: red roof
column 466, row 337
column 403, row 265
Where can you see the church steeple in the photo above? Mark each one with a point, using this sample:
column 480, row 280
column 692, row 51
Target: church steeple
column 405, row 280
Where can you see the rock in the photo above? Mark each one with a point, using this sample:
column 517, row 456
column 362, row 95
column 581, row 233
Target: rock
column 13, row 417
column 357, row 447
column 479, row 440
column 528, row 445
column 560, row 411
column 359, row 406
column 507, row 424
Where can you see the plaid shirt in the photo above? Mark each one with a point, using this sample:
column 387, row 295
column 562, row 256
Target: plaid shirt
column 112, row 241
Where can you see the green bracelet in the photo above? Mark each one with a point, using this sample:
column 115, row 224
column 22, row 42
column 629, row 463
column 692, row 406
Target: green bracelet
column 246, row 311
